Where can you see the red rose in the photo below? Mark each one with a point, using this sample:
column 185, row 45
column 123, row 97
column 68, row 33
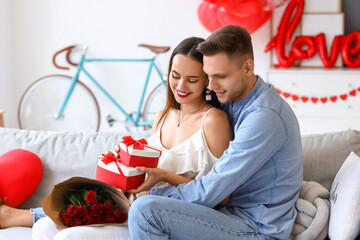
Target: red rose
column 98, row 219
column 82, row 211
column 88, row 219
column 65, row 219
column 120, row 216
column 109, row 218
column 75, row 222
column 90, row 197
column 96, row 209
column 72, row 211
column 108, row 208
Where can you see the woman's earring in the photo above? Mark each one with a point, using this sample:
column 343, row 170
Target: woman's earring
column 208, row 95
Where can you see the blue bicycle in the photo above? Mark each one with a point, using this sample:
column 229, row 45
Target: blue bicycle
column 56, row 102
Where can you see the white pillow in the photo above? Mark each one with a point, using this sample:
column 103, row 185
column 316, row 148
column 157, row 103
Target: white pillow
column 345, row 201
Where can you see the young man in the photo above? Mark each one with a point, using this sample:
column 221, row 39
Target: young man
column 261, row 170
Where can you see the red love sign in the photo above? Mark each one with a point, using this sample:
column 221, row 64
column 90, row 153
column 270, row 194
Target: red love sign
column 20, row 172
column 307, row 46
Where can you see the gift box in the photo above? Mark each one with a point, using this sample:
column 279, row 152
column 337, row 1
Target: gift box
column 135, row 153
column 112, row 171
column 55, row 202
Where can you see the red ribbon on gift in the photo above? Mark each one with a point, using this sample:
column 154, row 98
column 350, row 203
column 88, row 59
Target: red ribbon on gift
column 109, row 158
column 138, row 144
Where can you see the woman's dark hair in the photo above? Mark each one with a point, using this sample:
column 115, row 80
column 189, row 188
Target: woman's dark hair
column 187, row 47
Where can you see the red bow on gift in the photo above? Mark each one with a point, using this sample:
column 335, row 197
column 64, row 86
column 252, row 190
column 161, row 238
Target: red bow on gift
column 109, row 158
column 138, row 144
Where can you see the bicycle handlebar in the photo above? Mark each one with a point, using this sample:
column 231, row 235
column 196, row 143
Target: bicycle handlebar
column 68, row 52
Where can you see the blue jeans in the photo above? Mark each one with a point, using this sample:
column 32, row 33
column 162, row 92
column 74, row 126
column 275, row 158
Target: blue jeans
column 37, row 213
column 156, row 217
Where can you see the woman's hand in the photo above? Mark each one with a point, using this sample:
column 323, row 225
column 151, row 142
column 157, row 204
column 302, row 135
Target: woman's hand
column 140, row 194
column 115, row 152
column 155, row 175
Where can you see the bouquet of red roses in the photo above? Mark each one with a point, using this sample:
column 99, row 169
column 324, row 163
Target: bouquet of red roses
column 82, row 201
column 92, row 205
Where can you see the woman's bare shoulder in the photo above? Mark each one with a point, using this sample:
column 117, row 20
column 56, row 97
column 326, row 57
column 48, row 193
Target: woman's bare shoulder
column 216, row 116
column 217, row 131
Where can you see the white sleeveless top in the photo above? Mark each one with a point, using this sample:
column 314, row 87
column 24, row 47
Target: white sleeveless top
column 191, row 158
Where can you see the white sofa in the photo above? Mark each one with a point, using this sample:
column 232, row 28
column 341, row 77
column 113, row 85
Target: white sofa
column 68, row 154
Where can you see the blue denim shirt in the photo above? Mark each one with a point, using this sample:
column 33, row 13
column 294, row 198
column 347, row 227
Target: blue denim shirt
column 262, row 168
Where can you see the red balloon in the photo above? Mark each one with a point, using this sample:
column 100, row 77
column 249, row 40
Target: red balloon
column 286, row 28
column 207, row 13
column 298, row 50
column 351, row 49
column 249, row 14
column 328, row 61
column 20, row 172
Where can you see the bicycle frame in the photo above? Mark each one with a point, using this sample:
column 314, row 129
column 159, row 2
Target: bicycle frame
column 80, row 68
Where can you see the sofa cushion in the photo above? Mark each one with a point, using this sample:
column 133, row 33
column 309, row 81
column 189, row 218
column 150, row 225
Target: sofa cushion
column 63, row 154
column 325, row 153
column 345, row 201
column 13, row 233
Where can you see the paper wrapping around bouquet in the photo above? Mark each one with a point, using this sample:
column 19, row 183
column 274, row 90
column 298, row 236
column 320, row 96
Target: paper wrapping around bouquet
column 119, row 175
column 147, row 157
column 55, row 202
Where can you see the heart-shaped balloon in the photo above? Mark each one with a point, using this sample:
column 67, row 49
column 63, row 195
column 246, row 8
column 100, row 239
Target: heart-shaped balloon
column 20, row 174
column 249, row 14
column 207, row 13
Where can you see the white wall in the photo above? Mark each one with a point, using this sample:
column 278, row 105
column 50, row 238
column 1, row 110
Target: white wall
column 6, row 83
column 33, row 30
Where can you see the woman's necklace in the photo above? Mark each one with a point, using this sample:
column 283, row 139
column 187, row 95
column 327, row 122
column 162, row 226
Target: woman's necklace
column 178, row 123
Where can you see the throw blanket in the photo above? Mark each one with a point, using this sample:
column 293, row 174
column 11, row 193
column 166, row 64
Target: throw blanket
column 313, row 209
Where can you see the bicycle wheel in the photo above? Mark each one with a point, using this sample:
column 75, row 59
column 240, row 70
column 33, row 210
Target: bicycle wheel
column 42, row 100
column 155, row 102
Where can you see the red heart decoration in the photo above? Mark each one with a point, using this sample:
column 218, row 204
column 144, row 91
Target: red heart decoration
column 359, row 89
column 304, row 99
column 249, row 14
column 323, row 99
column 343, row 97
column 278, row 90
column 333, row 98
column 314, row 99
column 286, row 94
column 207, row 13
column 295, row 97
column 20, row 174
column 353, row 92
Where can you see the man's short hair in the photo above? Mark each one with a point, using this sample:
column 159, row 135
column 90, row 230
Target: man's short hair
column 232, row 40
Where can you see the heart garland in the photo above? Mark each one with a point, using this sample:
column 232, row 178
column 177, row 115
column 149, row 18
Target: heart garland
column 315, row 99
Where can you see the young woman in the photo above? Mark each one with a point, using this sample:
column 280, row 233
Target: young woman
column 191, row 133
